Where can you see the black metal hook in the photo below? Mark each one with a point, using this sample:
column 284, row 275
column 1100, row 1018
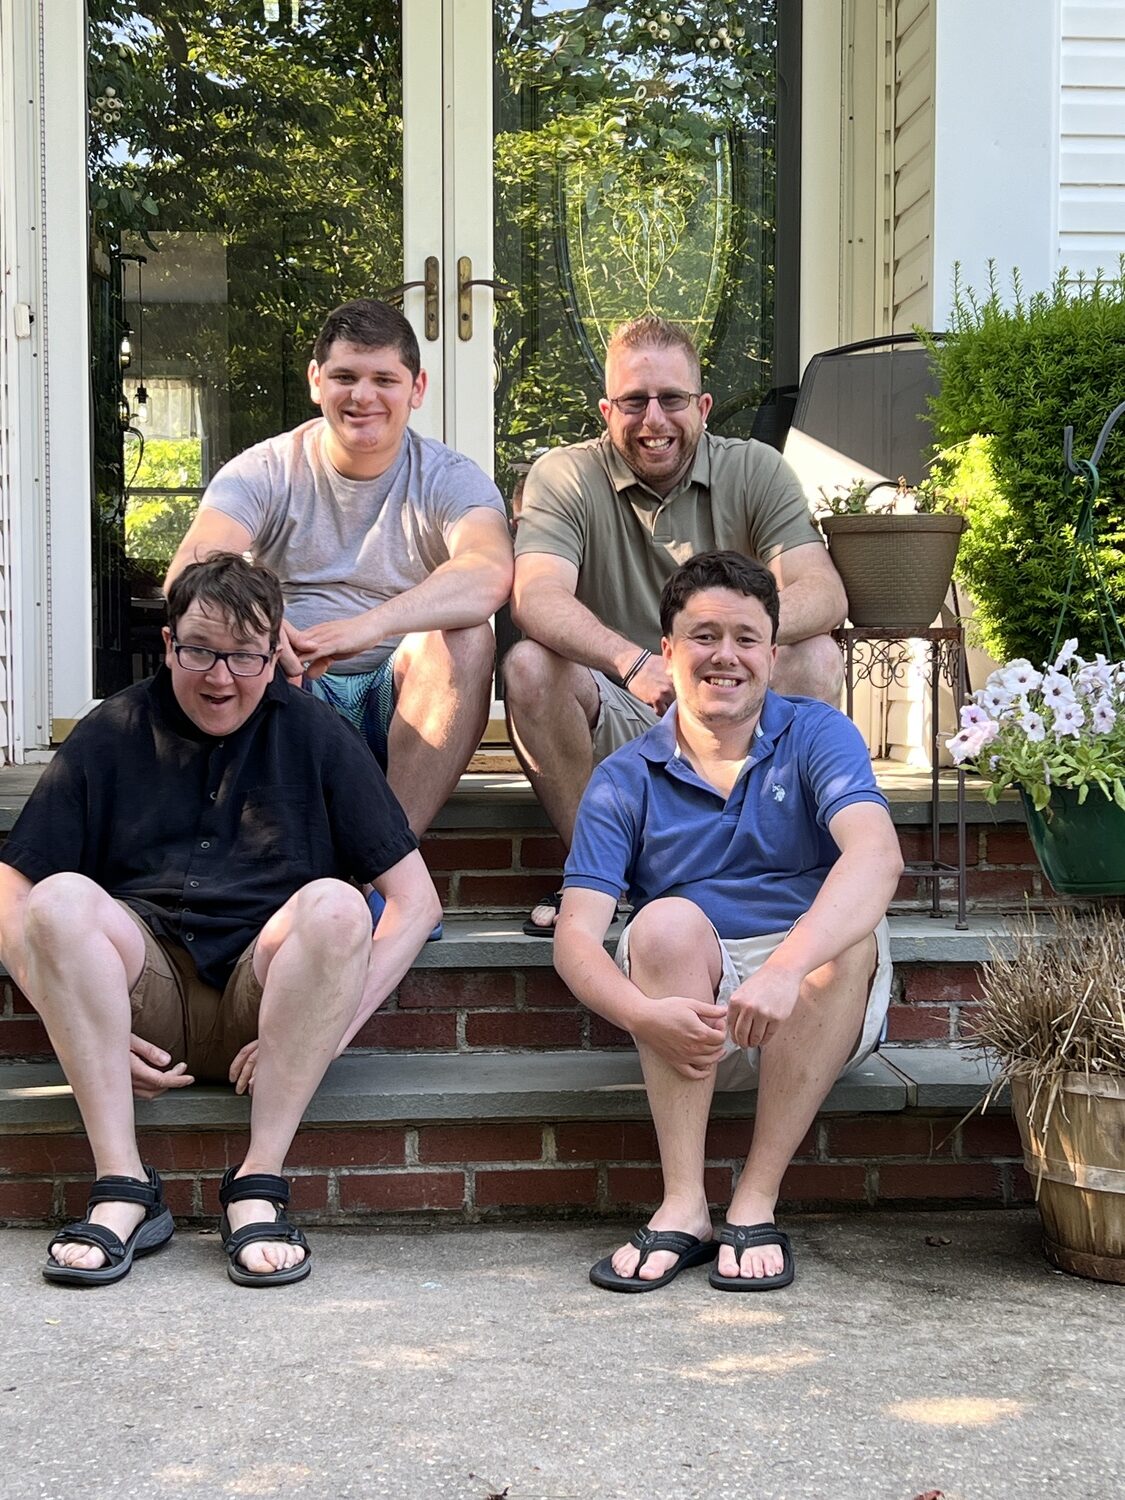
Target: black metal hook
column 1103, row 437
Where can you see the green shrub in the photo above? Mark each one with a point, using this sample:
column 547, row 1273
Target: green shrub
column 1011, row 378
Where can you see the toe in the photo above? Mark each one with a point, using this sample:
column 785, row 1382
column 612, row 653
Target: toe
column 727, row 1264
column 543, row 916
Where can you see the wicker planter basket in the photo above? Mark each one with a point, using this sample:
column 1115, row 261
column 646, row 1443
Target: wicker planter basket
column 896, row 568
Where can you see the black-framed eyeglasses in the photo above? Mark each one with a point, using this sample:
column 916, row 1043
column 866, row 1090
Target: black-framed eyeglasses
column 633, row 406
column 239, row 663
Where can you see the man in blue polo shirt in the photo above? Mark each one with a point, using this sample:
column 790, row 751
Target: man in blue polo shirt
column 760, row 856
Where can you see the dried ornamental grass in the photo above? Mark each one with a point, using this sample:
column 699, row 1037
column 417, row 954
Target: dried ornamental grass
column 1055, row 1005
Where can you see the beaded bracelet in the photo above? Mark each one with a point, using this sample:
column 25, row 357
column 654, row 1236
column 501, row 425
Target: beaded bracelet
column 635, row 668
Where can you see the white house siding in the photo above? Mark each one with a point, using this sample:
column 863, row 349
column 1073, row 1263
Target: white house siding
column 1092, row 136
column 912, row 157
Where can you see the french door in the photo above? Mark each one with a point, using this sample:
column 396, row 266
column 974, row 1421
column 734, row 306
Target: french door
column 521, row 174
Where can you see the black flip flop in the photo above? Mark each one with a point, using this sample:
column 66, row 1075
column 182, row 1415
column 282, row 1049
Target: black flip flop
column 533, row 929
column 154, row 1230
column 749, row 1237
column 692, row 1252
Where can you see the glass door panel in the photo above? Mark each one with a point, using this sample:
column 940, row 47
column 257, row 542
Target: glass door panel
column 635, row 171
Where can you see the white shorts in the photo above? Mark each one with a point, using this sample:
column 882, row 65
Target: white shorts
column 738, row 1067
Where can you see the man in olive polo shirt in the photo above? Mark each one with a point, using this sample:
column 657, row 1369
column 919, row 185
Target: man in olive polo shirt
column 604, row 524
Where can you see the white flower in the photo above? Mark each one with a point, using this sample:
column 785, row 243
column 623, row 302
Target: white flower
column 1069, row 719
column 1095, row 676
column 970, row 742
column 972, row 713
column 1068, row 650
column 994, row 700
column 1019, row 676
column 1058, row 691
column 1104, row 717
column 1033, row 726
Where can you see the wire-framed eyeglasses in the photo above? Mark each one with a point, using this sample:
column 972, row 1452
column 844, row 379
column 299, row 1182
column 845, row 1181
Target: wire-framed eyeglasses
column 633, row 406
column 239, row 663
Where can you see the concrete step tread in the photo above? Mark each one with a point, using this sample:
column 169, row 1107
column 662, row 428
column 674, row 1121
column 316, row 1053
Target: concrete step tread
column 383, row 1089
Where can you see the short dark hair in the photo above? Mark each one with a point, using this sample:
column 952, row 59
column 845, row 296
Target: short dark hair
column 652, row 332
column 247, row 593
column 369, row 325
column 719, row 570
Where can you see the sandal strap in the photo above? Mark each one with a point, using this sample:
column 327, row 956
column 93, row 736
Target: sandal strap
column 281, row 1231
column 82, row 1232
column 752, row 1236
column 148, row 1194
column 254, row 1185
column 647, row 1241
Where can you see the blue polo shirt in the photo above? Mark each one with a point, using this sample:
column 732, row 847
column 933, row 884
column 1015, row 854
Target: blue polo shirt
column 649, row 825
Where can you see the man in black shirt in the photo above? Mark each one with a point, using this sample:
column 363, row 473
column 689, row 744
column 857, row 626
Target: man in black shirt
column 174, row 901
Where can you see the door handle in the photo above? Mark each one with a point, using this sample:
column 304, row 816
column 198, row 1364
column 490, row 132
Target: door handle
column 433, row 296
column 465, row 283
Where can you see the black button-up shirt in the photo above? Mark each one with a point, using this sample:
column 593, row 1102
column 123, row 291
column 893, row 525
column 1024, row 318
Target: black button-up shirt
column 206, row 838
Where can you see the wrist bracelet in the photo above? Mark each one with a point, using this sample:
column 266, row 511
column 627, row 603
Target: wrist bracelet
column 635, row 668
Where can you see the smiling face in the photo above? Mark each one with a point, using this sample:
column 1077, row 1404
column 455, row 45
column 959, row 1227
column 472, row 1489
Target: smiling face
column 366, row 397
column 657, row 445
column 216, row 701
column 720, row 657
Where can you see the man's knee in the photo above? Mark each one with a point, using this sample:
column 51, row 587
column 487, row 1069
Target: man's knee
column 536, row 680
column 61, row 908
column 331, row 916
column 470, row 652
column 668, row 931
column 813, row 668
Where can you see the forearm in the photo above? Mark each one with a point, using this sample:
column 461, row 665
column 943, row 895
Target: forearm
column 397, row 941
column 458, row 595
column 594, row 979
column 849, row 906
column 808, row 607
column 552, row 616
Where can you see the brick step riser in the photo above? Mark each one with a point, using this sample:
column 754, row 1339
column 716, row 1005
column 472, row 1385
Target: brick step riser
column 502, row 1171
column 473, row 1010
column 509, row 870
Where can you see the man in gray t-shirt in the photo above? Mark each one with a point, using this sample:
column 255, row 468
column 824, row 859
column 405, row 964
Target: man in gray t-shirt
column 604, row 524
column 393, row 551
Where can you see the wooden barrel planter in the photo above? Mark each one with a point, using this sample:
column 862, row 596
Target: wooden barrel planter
column 1078, row 1165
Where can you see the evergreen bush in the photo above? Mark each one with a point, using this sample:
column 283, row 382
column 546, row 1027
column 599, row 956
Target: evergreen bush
column 1011, row 378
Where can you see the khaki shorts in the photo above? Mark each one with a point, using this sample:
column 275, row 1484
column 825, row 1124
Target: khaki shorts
column 194, row 1022
column 738, row 1067
column 621, row 717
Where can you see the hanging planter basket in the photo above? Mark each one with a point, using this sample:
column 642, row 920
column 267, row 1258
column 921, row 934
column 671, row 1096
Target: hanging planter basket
column 1080, row 846
column 896, row 569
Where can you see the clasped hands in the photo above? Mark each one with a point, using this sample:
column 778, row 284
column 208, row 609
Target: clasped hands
column 693, row 1034
column 312, row 652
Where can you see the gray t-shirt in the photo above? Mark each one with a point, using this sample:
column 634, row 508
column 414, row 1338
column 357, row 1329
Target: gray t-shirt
column 341, row 546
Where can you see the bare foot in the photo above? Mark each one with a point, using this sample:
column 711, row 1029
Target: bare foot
column 546, row 913
column 266, row 1255
column 689, row 1218
column 121, row 1218
column 762, row 1260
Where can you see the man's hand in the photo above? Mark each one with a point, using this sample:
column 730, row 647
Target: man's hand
column 687, row 1033
column 653, row 685
column 150, row 1072
column 288, row 654
column 335, row 640
column 242, row 1068
column 760, row 1004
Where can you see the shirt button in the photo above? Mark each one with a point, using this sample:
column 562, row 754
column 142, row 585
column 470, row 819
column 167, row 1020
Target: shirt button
column 189, row 937
column 205, row 843
column 193, row 883
column 213, row 796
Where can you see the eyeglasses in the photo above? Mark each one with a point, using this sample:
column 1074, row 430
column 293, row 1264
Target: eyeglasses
column 239, row 663
column 633, row 406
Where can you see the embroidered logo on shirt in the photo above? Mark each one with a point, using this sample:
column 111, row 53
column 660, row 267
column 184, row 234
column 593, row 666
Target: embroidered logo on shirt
column 778, row 792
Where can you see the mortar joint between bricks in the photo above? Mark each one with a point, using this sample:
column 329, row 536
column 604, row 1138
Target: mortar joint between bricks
column 410, row 1147
column 550, row 1146
column 462, row 1042
column 820, row 1150
column 332, row 1192
column 871, row 1186
column 469, row 1204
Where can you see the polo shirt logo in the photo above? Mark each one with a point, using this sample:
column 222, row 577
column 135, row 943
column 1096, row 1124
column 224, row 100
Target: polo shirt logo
column 778, row 792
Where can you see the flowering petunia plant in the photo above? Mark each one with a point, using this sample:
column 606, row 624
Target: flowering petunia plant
column 1063, row 726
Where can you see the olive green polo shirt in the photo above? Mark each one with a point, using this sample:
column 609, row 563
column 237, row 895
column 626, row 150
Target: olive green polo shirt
column 583, row 502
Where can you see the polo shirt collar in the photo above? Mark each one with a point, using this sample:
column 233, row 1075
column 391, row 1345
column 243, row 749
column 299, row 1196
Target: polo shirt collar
column 623, row 478
column 659, row 744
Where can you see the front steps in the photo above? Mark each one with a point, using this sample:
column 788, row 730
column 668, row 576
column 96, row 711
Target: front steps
column 483, row 1091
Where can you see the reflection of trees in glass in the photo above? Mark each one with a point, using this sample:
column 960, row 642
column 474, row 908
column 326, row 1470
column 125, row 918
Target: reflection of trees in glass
column 283, row 138
column 635, row 172
column 155, row 524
